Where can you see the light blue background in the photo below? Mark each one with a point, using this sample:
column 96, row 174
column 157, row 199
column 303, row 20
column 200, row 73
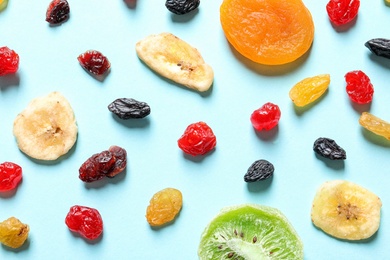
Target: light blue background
column 48, row 63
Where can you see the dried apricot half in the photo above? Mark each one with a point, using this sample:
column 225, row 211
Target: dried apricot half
column 269, row 32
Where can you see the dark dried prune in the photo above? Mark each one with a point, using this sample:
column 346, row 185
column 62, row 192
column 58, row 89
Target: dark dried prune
column 328, row 148
column 57, row 12
column 182, row 6
column 379, row 46
column 126, row 108
column 259, row 170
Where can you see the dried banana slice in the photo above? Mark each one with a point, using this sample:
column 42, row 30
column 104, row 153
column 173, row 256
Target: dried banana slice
column 176, row 60
column 46, row 128
column 346, row 210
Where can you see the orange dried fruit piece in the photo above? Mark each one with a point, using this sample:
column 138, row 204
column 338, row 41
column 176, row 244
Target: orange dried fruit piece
column 164, row 206
column 269, row 32
column 375, row 125
column 309, row 89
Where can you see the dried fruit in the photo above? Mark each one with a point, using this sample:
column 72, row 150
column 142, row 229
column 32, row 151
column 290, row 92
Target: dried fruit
column 379, row 46
column 346, row 210
column 328, row 148
column 359, row 87
column 309, row 89
column 108, row 163
column 13, row 233
column 10, row 176
column 250, row 231
column 341, row 12
column 46, row 129
column 182, row 6
column 94, row 62
column 259, row 170
column 266, row 117
column 126, row 108
column 269, row 32
column 197, row 139
column 85, row 220
column 164, row 206
column 176, row 60
column 57, row 12
column 3, row 4
column 375, row 125
column 9, row 61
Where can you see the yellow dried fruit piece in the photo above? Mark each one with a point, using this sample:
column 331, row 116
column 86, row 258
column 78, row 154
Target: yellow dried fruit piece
column 309, row 89
column 175, row 59
column 375, row 125
column 164, row 206
column 346, row 210
column 13, row 233
column 3, row 4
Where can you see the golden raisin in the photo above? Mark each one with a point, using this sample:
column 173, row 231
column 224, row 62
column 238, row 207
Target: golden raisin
column 13, row 233
column 164, row 206
column 309, row 89
column 375, row 125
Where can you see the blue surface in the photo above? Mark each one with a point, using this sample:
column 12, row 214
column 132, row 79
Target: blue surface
column 48, row 63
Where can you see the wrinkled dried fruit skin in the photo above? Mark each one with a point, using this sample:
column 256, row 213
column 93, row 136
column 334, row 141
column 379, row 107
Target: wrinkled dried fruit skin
column 341, row 12
column 197, row 139
column 328, row 148
column 10, row 176
column 94, row 62
column 379, row 46
column 266, row 117
column 57, row 12
column 375, row 125
column 126, row 108
column 9, row 61
column 13, row 233
column 359, row 87
column 164, row 206
column 259, row 170
column 309, row 89
column 181, row 6
column 85, row 220
column 107, row 163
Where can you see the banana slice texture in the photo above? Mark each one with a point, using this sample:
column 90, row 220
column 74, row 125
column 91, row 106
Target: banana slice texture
column 346, row 210
column 46, row 129
column 175, row 59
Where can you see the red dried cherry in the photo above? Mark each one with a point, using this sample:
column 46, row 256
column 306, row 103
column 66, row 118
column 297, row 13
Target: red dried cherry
column 9, row 61
column 198, row 139
column 341, row 12
column 266, row 117
column 359, row 87
column 94, row 62
column 57, row 12
column 10, row 176
column 85, row 220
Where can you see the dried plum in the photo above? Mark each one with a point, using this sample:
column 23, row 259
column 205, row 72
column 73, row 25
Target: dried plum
column 259, row 170
column 182, row 6
column 379, row 46
column 328, row 148
column 126, row 108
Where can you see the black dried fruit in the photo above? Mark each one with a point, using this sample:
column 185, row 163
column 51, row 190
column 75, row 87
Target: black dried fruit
column 259, row 170
column 379, row 46
column 126, row 108
column 182, row 6
column 328, row 148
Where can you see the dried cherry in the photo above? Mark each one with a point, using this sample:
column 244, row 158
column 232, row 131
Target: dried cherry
column 85, row 220
column 341, row 12
column 359, row 87
column 9, row 61
column 197, row 139
column 266, row 117
column 10, row 176
column 57, row 12
column 126, row 108
column 94, row 62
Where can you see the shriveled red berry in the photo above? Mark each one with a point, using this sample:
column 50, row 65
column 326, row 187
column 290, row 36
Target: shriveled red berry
column 9, row 61
column 10, row 176
column 57, row 12
column 198, row 139
column 94, row 62
column 120, row 156
column 85, row 220
column 341, row 12
column 266, row 117
column 359, row 87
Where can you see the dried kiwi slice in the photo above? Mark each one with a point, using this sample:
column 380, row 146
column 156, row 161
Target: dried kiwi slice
column 250, row 232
